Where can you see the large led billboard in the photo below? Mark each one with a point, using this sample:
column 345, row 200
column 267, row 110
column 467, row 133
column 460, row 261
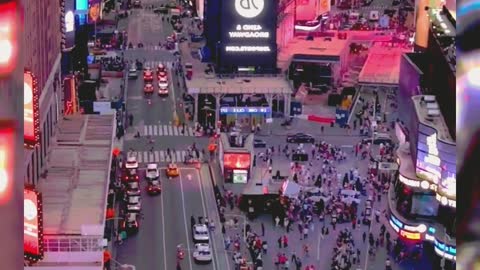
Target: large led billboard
column 236, row 160
column 32, row 225
column 31, row 121
column 93, row 11
column 248, row 37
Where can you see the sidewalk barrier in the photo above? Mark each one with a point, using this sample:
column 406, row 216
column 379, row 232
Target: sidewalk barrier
column 320, row 119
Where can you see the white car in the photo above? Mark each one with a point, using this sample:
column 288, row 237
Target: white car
column 152, row 171
column 202, row 253
column 134, row 204
column 162, row 90
column 162, row 83
column 131, row 163
column 200, row 233
column 133, row 189
column 132, row 73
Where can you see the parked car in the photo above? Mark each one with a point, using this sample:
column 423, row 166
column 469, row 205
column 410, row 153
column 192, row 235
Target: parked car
column 200, row 233
column 300, row 138
column 132, row 73
column 131, row 223
column 133, row 204
column 132, row 189
column 202, row 253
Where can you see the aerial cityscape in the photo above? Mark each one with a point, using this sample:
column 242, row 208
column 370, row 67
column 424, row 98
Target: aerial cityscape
column 239, row 134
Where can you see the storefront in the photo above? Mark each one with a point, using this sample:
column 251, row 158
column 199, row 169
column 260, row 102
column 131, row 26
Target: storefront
column 244, row 116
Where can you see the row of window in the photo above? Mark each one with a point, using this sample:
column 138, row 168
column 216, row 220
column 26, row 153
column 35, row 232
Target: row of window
column 38, row 157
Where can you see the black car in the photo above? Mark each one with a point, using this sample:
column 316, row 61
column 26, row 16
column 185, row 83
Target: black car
column 300, row 138
column 131, row 223
column 257, row 143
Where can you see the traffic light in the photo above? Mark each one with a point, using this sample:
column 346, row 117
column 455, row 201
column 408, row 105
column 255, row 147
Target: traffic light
column 7, row 136
column 8, row 36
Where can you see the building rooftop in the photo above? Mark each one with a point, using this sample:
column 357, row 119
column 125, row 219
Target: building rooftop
column 75, row 186
column 436, row 122
column 203, row 83
column 382, row 66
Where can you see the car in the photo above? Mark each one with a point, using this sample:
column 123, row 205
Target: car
column 129, row 175
column 137, row 4
column 154, row 187
column 202, row 253
column 148, row 76
column 133, row 203
column 200, row 233
column 161, row 68
column 132, row 73
column 172, row 170
column 132, row 189
column 257, row 143
column 162, row 75
column 162, row 90
column 163, row 83
column 131, row 162
column 148, row 89
column 152, row 172
column 131, row 223
column 300, row 138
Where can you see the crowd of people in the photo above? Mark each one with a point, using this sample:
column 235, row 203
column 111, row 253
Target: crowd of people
column 114, row 63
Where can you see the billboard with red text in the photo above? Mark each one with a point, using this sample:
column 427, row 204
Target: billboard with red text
column 236, row 160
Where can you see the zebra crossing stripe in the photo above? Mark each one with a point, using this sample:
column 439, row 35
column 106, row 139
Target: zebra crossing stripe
column 151, row 157
column 183, row 154
column 162, row 156
column 175, row 131
column 179, row 155
column 139, row 157
column 160, row 131
column 170, row 130
column 155, row 133
column 145, row 130
column 145, row 157
column 157, row 157
column 191, row 132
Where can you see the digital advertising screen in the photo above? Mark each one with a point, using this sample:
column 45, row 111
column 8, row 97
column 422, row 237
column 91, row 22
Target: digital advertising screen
column 68, row 29
column 7, row 136
column 31, row 121
column 236, row 160
column 93, row 10
column 248, row 35
column 32, row 225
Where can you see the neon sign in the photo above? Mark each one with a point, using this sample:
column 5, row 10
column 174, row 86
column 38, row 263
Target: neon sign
column 7, row 134
column 247, row 48
column 449, row 186
column 410, row 235
column 249, row 31
column 418, row 184
column 446, row 201
column 32, row 225
column 31, row 121
column 446, row 251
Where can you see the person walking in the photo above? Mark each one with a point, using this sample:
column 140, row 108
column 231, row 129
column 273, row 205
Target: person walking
column 279, row 241
column 263, row 229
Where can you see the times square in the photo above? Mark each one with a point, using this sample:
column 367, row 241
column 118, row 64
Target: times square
column 238, row 134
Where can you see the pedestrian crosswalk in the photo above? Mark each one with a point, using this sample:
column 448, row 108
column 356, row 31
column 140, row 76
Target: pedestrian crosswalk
column 154, row 64
column 167, row 130
column 147, row 157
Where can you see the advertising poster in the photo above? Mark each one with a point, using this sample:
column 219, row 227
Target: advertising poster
column 341, row 116
column 31, row 121
column 306, row 10
column 93, row 11
column 68, row 29
column 32, row 225
column 236, row 160
column 249, row 33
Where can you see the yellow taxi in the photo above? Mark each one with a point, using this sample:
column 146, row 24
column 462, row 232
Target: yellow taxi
column 172, row 170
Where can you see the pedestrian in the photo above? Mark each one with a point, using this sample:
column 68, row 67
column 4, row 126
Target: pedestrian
column 306, row 250
column 279, row 241
column 294, row 257
column 192, row 220
column 277, row 221
column 223, row 229
column 388, row 264
column 263, row 229
column 130, row 119
column 305, row 232
column 364, row 236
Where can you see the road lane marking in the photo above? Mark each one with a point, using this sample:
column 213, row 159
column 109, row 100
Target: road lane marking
column 151, row 157
column 165, row 129
column 318, row 246
column 170, row 130
column 163, row 232
column 205, row 214
column 162, row 156
column 175, row 131
column 179, row 155
column 185, row 221
column 145, row 157
column 155, row 130
column 160, row 130
column 157, row 157
column 145, row 130
column 184, row 153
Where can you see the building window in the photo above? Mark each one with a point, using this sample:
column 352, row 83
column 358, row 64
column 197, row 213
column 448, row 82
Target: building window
column 33, row 169
column 37, row 167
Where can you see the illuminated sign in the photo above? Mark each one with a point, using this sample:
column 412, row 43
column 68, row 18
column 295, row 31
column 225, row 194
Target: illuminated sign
column 32, row 225
column 418, row 184
column 394, row 226
column 449, row 252
column 249, row 8
column 449, row 186
column 236, row 160
column 410, row 235
column 8, row 37
column 248, row 37
column 249, row 110
column 421, row 228
column 31, row 121
column 70, row 99
column 7, row 136
column 395, row 221
column 69, row 21
column 446, row 201
column 81, row 4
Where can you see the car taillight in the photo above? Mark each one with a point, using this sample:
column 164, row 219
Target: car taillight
column 136, row 177
column 8, row 37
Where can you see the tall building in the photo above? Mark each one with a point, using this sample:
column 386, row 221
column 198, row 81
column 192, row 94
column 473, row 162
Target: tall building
column 42, row 56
